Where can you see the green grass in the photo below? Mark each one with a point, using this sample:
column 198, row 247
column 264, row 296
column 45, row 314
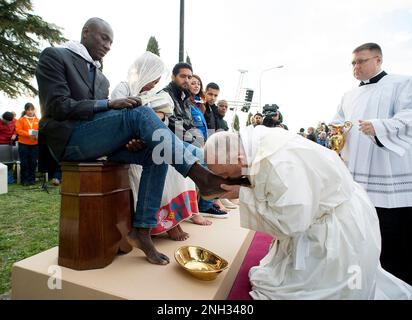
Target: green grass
column 29, row 221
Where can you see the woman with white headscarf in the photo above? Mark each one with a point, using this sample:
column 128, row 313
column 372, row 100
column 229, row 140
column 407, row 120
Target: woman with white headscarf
column 179, row 200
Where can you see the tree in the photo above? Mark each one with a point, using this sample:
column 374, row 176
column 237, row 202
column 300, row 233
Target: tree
column 20, row 36
column 153, row 46
column 236, row 123
column 188, row 60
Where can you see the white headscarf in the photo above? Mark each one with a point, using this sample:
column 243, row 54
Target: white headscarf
column 81, row 50
column 147, row 68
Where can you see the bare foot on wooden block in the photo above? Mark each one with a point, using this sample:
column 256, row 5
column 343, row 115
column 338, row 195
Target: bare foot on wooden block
column 140, row 238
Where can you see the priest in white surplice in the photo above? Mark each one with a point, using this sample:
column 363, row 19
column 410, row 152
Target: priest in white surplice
column 327, row 234
column 378, row 151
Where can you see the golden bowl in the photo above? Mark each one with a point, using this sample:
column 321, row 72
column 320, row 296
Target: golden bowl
column 200, row 262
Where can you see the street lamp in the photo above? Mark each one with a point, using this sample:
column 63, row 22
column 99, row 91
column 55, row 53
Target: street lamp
column 239, row 86
column 260, row 82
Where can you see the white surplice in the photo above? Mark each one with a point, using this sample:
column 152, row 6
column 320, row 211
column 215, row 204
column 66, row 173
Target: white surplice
column 384, row 172
column 326, row 228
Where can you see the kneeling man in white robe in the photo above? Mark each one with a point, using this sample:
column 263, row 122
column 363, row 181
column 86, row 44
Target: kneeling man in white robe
column 327, row 239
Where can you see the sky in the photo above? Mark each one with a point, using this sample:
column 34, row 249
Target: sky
column 312, row 39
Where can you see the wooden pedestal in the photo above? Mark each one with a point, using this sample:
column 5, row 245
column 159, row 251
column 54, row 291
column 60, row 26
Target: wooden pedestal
column 95, row 214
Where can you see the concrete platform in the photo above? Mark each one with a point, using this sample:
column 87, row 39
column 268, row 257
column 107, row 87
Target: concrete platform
column 132, row 277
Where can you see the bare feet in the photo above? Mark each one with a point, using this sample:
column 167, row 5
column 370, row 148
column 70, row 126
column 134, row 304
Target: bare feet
column 177, row 234
column 198, row 219
column 140, row 238
column 209, row 184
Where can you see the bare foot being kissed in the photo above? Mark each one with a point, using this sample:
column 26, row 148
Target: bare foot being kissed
column 140, row 238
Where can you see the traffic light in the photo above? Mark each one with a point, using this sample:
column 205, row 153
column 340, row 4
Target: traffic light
column 246, row 107
column 249, row 95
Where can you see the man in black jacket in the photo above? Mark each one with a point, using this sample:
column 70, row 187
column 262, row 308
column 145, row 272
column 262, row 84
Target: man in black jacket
column 221, row 112
column 80, row 123
column 181, row 122
column 211, row 94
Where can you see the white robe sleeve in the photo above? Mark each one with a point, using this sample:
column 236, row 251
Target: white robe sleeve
column 285, row 203
column 396, row 133
column 339, row 116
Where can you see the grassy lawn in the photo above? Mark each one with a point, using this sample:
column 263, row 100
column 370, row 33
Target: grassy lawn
column 29, row 220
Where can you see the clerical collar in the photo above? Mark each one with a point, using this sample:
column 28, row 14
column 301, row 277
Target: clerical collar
column 374, row 79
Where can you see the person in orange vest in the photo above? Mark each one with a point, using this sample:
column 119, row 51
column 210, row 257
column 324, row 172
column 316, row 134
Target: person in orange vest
column 27, row 128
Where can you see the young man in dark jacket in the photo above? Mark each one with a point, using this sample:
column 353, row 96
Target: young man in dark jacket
column 211, row 94
column 210, row 208
column 221, row 112
column 181, row 122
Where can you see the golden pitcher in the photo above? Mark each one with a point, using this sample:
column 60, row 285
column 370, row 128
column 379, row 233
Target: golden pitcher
column 338, row 139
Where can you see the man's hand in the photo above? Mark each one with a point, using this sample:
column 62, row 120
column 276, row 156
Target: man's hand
column 232, row 191
column 367, row 128
column 135, row 145
column 129, row 103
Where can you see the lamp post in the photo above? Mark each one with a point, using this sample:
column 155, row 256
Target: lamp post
column 182, row 31
column 260, row 82
column 239, row 86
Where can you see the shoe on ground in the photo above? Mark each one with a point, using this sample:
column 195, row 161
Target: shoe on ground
column 214, row 213
column 228, row 204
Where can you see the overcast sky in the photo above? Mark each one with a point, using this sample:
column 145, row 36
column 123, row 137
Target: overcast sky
column 313, row 39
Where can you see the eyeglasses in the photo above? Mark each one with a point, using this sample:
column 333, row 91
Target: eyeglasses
column 361, row 61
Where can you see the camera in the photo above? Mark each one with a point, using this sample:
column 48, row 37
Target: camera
column 270, row 110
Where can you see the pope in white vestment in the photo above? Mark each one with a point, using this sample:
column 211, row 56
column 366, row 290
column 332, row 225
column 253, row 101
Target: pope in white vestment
column 327, row 238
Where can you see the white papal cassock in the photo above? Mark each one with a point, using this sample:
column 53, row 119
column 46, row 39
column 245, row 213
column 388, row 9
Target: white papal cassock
column 327, row 233
column 384, row 172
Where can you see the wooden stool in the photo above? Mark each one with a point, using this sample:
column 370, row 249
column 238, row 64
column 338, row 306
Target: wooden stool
column 95, row 214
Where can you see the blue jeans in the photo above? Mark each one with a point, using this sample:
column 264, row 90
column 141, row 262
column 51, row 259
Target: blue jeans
column 57, row 174
column 109, row 132
column 10, row 174
column 28, row 155
column 205, row 205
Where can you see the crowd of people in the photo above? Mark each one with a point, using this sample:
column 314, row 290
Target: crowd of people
column 321, row 135
column 322, row 220
column 22, row 133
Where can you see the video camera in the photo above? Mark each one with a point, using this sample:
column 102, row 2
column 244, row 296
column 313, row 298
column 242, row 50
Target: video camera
column 270, row 110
